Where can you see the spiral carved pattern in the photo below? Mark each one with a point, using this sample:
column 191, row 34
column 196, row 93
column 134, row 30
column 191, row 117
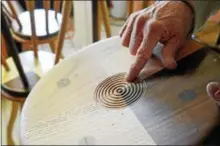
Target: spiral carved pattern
column 115, row 92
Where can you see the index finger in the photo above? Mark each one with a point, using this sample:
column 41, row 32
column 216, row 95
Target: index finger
column 150, row 39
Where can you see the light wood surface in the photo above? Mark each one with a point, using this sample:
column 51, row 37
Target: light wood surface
column 173, row 109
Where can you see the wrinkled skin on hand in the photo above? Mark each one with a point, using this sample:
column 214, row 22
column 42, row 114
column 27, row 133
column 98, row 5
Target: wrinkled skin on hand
column 167, row 22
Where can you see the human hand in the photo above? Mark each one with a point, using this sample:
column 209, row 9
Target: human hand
column 167, row 22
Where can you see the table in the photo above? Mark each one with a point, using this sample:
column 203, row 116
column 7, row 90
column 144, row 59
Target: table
column 77, row 102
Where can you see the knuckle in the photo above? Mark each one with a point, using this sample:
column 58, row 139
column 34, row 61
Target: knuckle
column 133, row 66
column 140, row 20
column 153, row 26
column 133, row 15
column 141, row 55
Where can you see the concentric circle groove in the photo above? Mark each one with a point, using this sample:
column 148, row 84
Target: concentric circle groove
column 115, row 92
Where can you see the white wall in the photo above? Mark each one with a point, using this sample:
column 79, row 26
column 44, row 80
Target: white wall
column 83, row 23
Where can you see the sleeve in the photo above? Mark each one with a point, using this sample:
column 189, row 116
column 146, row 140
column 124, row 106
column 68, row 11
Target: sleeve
column 203, row 10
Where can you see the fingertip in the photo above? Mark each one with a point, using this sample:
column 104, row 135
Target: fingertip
column 121, row 32
column 213, row 89
column 170, row 63
column 131, row 75
column 124, row 40
column 128, row 78
column 132, row 52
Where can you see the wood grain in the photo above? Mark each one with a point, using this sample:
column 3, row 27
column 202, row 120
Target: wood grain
column 173, row 110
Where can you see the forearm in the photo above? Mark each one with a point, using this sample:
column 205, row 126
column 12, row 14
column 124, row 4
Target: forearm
column 203, row 10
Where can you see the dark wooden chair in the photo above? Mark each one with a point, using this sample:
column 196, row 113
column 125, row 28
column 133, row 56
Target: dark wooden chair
column 35, row 26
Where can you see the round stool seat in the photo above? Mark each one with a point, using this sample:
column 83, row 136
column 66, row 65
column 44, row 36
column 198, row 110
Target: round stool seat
column 85, row 100
column 44, row 28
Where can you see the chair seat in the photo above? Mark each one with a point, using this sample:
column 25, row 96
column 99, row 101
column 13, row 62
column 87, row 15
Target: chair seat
column 34, row 69
column 54, row 22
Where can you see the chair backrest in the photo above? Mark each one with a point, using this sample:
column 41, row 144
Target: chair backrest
column 58, row 5
column 66, row 10
column 30, row 5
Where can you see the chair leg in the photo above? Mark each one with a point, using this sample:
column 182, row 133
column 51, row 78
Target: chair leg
column 4, row 54
column 105, row 17
column 129, row 7
column 26, row 46
column 138, row 5
column 53, row 48
column 99, row 20
column 5, row 64
column 11, row 123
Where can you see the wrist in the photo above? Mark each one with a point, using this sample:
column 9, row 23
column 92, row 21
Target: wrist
column 190, row 4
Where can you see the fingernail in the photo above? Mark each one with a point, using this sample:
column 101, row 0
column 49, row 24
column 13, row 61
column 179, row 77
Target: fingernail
column 127, row 77
column 171, row 64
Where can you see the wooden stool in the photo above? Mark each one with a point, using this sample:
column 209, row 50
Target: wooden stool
column 85, row 100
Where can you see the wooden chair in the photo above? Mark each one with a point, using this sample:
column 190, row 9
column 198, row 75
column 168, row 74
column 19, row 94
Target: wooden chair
column 35, row 26
column 34, row 69
column 133, row 6
column 103, row 17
